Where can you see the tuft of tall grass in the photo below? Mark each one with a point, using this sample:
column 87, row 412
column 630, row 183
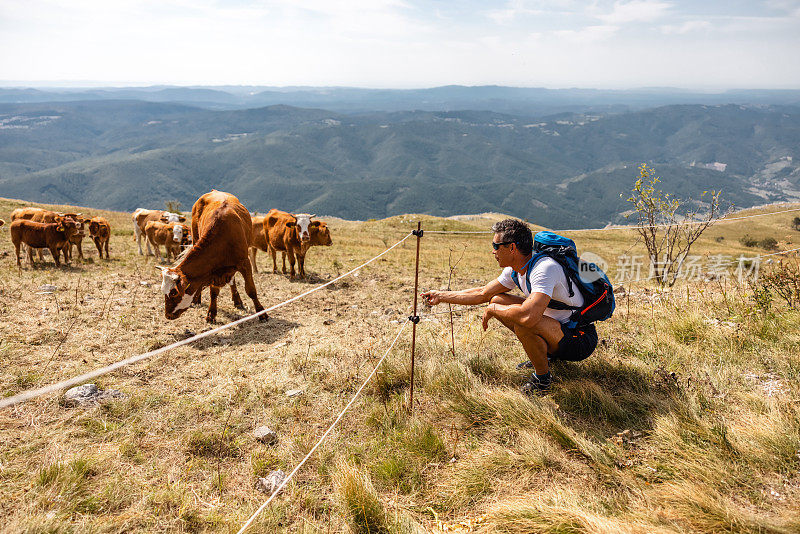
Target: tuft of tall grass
column 588, row 400
column 560, row 512
column 364, row 511
column 212, row 444
column 68, row 483
column 703, row 508
column 688, row 328
column 393, row 376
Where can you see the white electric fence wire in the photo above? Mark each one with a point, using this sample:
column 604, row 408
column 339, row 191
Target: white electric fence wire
column 325, row 435
column 628, row 227
column 31, row 394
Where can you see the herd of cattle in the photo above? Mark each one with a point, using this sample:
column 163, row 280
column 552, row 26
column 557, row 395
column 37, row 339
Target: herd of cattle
column 38, row 228
column 223, row 239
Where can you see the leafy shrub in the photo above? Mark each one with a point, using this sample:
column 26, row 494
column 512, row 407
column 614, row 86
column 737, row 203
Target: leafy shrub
column 768, row 243
column 748, row 241
column 783, row 280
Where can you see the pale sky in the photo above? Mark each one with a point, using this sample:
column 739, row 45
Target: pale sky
column 711, row 44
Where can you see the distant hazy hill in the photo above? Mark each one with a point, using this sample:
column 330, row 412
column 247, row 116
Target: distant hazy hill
column 566, row 170
column 525, row 101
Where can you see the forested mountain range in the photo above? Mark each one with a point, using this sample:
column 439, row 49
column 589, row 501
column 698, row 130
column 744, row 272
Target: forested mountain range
column 562, row 170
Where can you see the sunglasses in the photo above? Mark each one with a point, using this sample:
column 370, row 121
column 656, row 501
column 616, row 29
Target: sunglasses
column 497, row 246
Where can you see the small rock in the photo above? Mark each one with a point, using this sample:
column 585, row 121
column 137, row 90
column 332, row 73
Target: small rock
column 294, row 392
column 47, row 289
column 390, row 311
column 265, row 435
column 144, row 283
column 326, row 322
column 81, row 395
column 88, row 394
column 271, row 482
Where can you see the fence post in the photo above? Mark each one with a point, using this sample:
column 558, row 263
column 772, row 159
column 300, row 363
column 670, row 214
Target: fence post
column 414, row 317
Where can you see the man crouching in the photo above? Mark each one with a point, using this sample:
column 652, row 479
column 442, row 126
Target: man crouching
column 541, row 328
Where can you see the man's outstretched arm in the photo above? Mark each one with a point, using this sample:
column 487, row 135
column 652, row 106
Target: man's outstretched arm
column 473, row 295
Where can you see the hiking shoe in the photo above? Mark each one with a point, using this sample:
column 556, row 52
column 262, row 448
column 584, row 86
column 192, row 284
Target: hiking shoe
column 535, row 387
column 527, row 364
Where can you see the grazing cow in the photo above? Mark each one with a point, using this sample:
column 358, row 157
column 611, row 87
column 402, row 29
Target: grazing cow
column 54, row 236
column 100, row 232
column 47, row 216
column 293, row 235
column 171, row 235
column 221, row 235
column 142, row 216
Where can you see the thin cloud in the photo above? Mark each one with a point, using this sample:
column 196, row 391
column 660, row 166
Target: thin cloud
column 687, row 27
column 513, row 9
column 790, row 7
column 589, row 34
column 633, row 11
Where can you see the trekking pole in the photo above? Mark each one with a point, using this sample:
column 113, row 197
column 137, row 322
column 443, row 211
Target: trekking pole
column 414, row 317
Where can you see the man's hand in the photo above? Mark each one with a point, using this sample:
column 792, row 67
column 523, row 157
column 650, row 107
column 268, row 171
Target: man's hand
column 488, row 314
column 431, row 297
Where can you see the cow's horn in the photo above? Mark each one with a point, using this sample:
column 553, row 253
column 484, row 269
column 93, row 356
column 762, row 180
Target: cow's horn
column 312, row 215
column 160, row 268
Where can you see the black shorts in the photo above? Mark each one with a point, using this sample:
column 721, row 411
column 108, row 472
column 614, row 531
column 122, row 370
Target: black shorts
column 577, row 343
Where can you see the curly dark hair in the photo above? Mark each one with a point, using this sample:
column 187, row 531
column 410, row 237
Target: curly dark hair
column 515, row 231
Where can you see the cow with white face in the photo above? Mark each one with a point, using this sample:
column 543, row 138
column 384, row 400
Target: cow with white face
column 171, row 235
column 303, row 221
column 222, row 233
column 142, row 216
column 292, row 235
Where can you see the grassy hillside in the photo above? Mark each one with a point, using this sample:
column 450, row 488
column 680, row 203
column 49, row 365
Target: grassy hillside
column 685, row 418
column 568, row 170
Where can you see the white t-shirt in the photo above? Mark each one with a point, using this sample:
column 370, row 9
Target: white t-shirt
column 547, row 277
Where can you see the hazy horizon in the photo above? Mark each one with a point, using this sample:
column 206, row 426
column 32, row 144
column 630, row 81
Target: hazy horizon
column 403, row 44
column 92, row 84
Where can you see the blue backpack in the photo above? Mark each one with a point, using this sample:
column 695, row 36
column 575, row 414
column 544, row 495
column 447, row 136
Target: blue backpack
column 592, row 282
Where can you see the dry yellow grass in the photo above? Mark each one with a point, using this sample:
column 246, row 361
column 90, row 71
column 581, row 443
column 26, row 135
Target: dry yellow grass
column 685, row 419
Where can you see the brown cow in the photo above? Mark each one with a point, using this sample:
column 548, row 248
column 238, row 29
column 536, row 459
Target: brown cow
column 54, row 236
column 222, row 233
column 77, row 238
column 171, row 235
column 142, row 216
column 293, row 235
column 100, row 232
column 47, row 216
